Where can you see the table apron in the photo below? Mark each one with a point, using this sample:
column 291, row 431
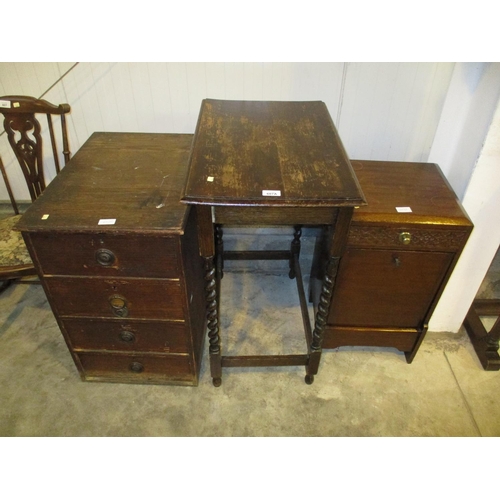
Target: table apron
column 262, row 216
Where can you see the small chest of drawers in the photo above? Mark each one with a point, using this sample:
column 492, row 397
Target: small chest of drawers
column 118, row 257
column 401, row 249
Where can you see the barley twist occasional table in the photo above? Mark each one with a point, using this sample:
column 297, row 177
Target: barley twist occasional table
column 260, row 163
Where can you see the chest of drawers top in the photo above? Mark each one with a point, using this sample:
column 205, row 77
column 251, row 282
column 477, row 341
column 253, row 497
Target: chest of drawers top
column 406, row 193
column 119, row 183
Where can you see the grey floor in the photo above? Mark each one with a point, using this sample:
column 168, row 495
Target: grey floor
column 358, row 391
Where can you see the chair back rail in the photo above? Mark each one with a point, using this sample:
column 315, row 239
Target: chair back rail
column 24, row 134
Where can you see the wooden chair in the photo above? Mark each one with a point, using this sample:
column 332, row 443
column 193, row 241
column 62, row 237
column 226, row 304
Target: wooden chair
column 485, row 343
column 24, row 134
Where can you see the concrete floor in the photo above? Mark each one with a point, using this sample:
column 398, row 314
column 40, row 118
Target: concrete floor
column 358, row 391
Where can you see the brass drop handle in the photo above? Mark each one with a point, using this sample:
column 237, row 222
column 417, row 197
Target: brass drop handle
column 405, row 238
column 105, row 257
column 126, row 336
column 118, row 306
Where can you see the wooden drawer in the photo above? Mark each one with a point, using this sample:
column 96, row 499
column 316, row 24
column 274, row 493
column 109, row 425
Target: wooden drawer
column 407, row 237
column 248, row 215
column 386, row 288
column 107, row 255
column 134, row 368
column 116, row 298
column 399, row 338
column 160, row 336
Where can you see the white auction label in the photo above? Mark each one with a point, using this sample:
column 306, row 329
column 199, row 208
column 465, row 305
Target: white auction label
column 403, row 209
column 269, row 192
column 106, row 222
column 4, row 104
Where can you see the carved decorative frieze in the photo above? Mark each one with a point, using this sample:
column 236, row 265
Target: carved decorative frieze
column 389, row 237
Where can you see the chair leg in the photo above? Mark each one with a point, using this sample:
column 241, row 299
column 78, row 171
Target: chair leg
column 485, row 344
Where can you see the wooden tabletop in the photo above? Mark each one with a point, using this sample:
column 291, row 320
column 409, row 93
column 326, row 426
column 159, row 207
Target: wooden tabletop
column 134, row 179
column 269, row 153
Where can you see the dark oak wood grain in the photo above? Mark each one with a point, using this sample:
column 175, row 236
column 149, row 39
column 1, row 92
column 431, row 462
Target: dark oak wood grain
column 137, row 368
column 23, row 131
column 485, row 343
column 79, row 255
column 268, row 163
column 128, row 335
column 420, row 186
column 151, row 298
column 134, row 178
column 410, row 280
column 243, row 148
column 397, row 263
column 127, row 295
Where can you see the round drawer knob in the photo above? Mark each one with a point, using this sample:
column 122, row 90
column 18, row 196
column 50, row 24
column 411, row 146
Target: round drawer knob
column 126, row 336
column 405, row 238
column 105, row 257
column 136, row 367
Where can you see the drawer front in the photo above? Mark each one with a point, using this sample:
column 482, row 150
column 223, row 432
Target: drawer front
column 386, row 288
column 336, row 336
column 161, row 337
column 116, row 298
column 133, row 368
column 273, row 215
column 107, row 255
column 407, row 238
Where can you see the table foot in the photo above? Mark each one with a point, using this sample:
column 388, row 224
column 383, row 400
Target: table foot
column 309, row 379
column 217, row 381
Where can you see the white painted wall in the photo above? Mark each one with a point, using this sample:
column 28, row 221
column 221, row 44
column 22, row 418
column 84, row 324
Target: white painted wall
column 438, row 112
column 465, row 119
column 482, row 203
column 390, row 111
column 383, row 110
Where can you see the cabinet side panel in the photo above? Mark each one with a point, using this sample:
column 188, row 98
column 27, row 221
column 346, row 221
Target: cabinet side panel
column 195, row 285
